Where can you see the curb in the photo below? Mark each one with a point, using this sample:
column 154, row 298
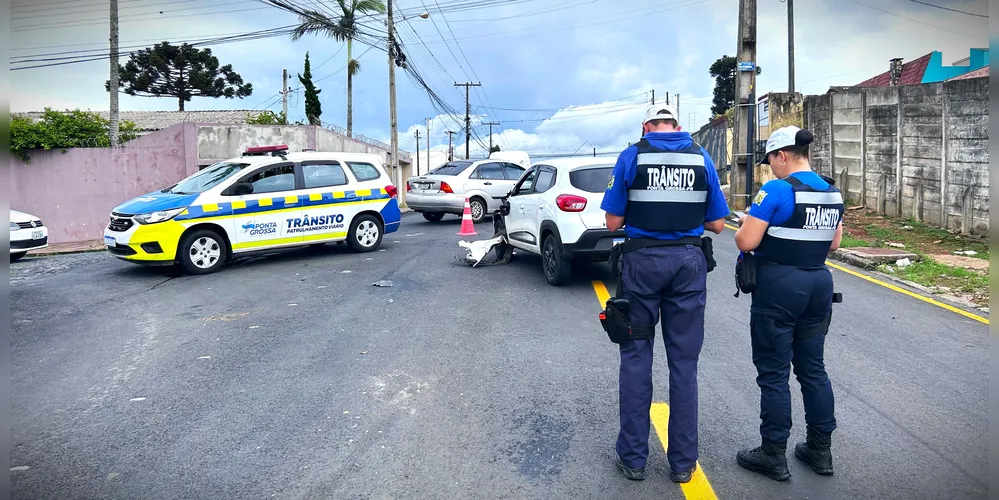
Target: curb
column 867, row 267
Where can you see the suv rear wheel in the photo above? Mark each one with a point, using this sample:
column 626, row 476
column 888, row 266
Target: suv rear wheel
column 557, row 268
column 365, row 233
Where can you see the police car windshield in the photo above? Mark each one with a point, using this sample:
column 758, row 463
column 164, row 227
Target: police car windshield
column 592, row 179
column 207, row 178
column 451, row 168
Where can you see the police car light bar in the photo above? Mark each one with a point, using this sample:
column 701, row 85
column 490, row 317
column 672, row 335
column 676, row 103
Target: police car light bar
column 263, row 150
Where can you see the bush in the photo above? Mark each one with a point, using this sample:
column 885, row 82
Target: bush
column 64, row 130
column 270, row 118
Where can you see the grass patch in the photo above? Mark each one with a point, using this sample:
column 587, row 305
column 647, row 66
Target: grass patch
column 850, row 242
column 868, row 229
column 945, row 279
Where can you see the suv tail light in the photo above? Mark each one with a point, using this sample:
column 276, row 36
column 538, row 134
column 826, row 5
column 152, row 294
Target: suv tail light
column 570, row 203
column 409, row 186
column 445, row 188
column 392, row 191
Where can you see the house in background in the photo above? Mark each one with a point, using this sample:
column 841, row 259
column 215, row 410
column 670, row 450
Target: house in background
column 929, row 69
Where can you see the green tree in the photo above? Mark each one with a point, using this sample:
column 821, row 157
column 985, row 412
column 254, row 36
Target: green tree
column 342, row 28
column 723, row 71
column 64, row 130
column 182, row 72
column 313, row 108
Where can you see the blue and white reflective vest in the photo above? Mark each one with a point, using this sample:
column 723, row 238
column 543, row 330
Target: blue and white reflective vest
column 670, row 189
column 805, row 238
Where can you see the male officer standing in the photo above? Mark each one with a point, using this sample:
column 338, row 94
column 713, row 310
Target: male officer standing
column 665, row 192
column 792, row 225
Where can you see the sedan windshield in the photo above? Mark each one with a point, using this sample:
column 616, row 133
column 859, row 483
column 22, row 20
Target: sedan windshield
column 207, row 178
column 451, row 168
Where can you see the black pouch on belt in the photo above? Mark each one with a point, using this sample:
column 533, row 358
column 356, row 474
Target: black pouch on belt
column 745, row 273
column 709, row 253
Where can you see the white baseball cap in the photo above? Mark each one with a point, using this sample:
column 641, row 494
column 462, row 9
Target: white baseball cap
column 660, row 112
column 784, row 137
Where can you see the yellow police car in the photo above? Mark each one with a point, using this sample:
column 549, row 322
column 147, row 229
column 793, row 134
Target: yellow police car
column 266, row 199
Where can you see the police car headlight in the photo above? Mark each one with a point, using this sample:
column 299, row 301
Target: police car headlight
column 160, row 216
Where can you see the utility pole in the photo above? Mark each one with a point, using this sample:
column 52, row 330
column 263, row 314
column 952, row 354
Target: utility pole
column 450, row 150
column 790, row 46
column 491, row 134
column 743, row 141
column 393, row 122
column 428, row 144
column 418, row 152
column 667, row 98
column 113, row 80
column 284, row 94
column 653, row 97
column 468, row 111
column 678, row 107
column 594, row 152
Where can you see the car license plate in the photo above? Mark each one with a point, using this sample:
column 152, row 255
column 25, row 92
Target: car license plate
column 421, row 185
column 37, row 235
column 617, row 241
column 110, row 241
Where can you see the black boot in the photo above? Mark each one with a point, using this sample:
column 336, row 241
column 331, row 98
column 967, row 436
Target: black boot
column 815, row 452
column 768, row 459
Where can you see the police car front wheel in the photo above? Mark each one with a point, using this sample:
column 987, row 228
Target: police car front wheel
column 202, row 252
column 365, row 233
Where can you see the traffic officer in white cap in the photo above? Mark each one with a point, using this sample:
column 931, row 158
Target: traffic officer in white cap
column 792, row 225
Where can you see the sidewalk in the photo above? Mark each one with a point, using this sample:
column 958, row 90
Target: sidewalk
column 71, row 247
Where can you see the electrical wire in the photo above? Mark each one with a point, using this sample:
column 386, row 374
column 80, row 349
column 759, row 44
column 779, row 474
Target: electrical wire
column 917, row 21
column 103, row 9
column 948, row 8
column 104, row 20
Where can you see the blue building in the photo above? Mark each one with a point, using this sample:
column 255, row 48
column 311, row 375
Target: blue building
column 937, row 72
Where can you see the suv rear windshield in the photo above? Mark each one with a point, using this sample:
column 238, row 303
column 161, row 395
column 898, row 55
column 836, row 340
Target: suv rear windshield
column 591, row 179
column 451, row 168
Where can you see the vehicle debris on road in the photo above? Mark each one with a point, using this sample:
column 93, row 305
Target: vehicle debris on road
column 479, row 250
column 382, row 283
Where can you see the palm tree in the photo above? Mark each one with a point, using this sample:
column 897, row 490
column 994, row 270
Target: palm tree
column 343, row 29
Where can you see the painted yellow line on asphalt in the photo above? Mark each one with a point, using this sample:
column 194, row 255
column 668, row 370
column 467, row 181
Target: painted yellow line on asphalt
column 900, row 289
column 698, row 488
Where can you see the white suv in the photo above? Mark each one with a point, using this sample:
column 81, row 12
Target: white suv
column 554, row 211
column 444, row 189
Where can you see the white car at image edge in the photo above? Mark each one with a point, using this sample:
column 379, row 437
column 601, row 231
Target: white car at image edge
column 554, row 211
column 27, row 233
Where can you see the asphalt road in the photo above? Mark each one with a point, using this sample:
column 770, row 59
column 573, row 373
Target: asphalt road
column 290, row 376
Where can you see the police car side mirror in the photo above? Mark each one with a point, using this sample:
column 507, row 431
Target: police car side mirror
column 241, row 188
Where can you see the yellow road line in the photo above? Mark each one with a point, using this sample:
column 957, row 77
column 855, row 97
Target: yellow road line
column 698, row 488
column 900, row 290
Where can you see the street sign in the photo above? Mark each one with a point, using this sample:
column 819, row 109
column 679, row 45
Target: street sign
column 747, row 66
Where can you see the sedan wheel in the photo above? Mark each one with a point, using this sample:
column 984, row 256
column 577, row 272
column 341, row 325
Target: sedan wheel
column 557, row 269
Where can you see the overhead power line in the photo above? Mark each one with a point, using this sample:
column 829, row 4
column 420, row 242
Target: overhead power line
column 948, row 8
column 917, row 21
column 99, row 21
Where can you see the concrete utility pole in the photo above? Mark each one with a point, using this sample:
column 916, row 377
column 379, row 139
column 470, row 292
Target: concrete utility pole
column 491, row 134
column 743, row 141
column 468, row 117
column 790, row 46
column 393, row 121
column 450, row 149
column 653, row 97
column 113, row 80
column 428, row 144
column 418, row 152
column 284, row 94
column 678, row 107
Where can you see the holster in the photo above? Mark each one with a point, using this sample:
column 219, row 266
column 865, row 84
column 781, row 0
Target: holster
column 745, row 273
column 709, row 253
column 614, row 320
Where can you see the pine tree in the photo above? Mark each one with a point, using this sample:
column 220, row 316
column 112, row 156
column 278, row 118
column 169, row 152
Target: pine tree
column 313, row 108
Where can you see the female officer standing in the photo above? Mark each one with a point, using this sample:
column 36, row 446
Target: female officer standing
column 792, row 225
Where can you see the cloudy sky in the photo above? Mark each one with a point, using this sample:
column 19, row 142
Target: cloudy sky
column 559, row 75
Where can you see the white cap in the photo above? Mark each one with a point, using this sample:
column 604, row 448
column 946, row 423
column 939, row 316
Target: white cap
column 660, row 112
column 784, row 137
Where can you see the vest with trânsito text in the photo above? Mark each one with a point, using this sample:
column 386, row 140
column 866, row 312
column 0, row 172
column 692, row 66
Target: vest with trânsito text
column 670, row 190
column 805, row 238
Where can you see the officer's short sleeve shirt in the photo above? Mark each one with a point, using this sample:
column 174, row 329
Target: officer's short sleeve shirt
column 774, row 203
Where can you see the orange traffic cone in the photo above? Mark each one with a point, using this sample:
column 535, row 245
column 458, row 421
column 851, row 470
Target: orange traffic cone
column 467, row 227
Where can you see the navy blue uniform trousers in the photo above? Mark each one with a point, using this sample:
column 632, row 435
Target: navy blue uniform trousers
column 789, row 321
column 667, row 282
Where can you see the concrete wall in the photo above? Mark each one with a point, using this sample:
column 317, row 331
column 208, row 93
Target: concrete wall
column 74, row 191
column 917, row 151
